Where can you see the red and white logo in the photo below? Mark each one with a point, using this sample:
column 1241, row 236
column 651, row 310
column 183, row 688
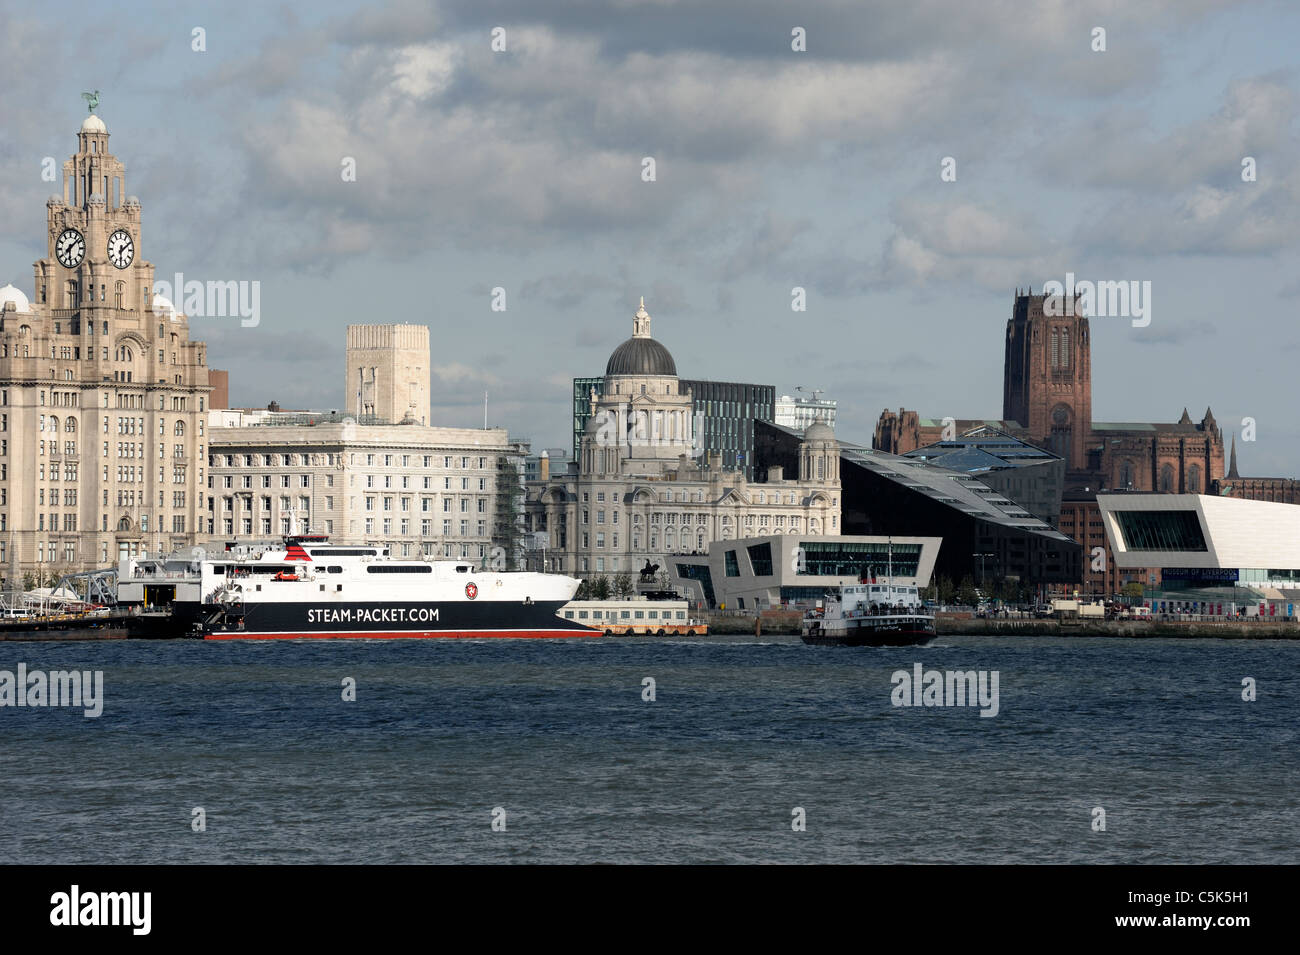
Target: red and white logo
column 471, row 591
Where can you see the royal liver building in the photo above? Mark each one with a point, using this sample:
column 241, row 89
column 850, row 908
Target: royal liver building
column 102, row 392
column 642, row 489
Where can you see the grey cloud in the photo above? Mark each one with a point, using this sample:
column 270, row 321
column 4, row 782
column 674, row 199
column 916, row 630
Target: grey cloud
column 1114, row 150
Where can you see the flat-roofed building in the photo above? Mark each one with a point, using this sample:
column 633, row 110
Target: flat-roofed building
column 796, row 570
column 1200, row 542
column 421, row 491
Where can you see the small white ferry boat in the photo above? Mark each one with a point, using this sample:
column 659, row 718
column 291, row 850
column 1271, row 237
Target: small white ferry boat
column 870, row 614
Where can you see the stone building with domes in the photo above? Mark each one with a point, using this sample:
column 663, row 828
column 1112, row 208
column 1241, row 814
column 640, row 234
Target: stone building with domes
column 102, row 391
column 644, row 488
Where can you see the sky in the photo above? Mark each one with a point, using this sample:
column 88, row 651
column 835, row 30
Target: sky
column 774, row 168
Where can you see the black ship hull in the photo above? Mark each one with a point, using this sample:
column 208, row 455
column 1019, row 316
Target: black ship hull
column 463, row 619
column 898, row 632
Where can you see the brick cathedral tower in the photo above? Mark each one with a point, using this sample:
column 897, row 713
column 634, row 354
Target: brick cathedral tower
column 1047, row 376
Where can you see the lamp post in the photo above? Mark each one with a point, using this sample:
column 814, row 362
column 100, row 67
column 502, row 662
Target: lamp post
column 981, row 559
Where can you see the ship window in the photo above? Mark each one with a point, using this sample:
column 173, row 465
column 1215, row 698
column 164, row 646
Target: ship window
column 568, row 615
column 462, row 569
column 338, row 587
column 582, row 615
column 334, row 570
column 400, row 569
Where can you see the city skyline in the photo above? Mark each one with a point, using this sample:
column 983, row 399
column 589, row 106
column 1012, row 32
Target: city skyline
column 745, row 206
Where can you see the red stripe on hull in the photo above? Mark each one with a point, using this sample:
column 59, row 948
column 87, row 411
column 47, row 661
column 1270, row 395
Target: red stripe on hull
column 406, row 635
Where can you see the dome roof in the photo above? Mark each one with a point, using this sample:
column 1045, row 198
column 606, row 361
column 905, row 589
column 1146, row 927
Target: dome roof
column 163, row 306
column 10, row 294
column 819, row 431
column 93, row 124
column 641, row 356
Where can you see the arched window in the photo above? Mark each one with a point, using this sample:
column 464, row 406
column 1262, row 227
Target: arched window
column 70, row 426
column 1194, row 479
column 1126, row 474
column 124, row 524
column 1167, row 479
column 180, row 429
column 54, row 424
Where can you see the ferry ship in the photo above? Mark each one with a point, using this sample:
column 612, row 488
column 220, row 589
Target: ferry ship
column 637, row 616
column 306, row 587
column 870, row 614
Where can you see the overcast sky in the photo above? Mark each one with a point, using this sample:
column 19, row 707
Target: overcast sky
column 774, row 169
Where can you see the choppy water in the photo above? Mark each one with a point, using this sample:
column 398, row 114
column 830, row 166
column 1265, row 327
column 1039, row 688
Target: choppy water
column 742, row 731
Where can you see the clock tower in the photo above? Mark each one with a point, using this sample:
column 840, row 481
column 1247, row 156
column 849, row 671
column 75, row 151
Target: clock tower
column 102, row 393
column 93, row 234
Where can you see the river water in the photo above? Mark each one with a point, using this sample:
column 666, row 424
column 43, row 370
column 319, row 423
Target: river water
column 741, row 735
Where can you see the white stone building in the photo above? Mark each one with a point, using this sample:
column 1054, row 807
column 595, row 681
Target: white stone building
column 422, row 491
column 102, row 391
column 644, row 491
column 801, row 413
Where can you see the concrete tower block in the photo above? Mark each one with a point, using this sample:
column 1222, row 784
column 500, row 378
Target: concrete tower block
column 388, row 372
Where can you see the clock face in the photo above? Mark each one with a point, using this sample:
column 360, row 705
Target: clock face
column 121, row 250
column 70, row 248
